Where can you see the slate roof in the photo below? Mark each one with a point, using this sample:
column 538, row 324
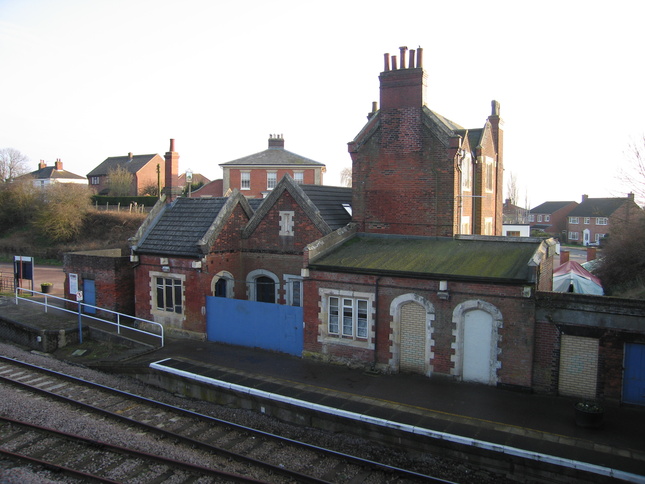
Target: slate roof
column 597, row 207
column 329, row 201
column 51, row 173
column 133, row 164
column 460, row 258
column 181, row 226
column 550, row 207
column 273, row 156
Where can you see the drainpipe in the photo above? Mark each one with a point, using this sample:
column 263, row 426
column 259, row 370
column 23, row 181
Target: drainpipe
column 376, row 287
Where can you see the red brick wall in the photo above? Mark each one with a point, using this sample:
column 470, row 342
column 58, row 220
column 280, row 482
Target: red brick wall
column 259, row 179
column 547, row 357
column 516, row 336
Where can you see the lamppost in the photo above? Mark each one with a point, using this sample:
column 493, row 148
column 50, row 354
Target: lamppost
column 189, row 180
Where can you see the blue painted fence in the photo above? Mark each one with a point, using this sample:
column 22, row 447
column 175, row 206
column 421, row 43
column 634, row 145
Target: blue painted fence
column 253, row 324
column 634, row 376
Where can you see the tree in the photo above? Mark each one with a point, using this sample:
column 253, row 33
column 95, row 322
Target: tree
column 346, row 177
column 512, row 190
column 19, row 201
column 60, row 217
column 12, row 164
column 120, row 182
column 632, row 174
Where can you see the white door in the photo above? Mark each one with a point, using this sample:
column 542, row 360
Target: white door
column 586, row 236
column 478, row 335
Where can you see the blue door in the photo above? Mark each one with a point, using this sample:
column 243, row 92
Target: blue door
column 89, row 296
column 634, row 376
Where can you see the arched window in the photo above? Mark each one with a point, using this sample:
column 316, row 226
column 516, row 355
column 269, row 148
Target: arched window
column 220, row 287
column 265, row 289
column 222, row 284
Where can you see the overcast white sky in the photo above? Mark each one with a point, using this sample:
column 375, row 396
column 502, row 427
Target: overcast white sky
column 84, row 80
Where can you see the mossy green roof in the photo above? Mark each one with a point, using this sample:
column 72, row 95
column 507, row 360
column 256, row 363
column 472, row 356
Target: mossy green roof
column 433, row 257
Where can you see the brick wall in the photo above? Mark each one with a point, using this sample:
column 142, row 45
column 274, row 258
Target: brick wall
column 578, row 366
column 311, row 176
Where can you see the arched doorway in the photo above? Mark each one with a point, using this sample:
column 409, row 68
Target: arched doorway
column 411, row 337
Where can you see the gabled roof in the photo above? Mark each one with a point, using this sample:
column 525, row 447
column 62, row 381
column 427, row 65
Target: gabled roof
column 51, row 173
column 271, row 157
column 550, row 207
column 189, row 226
column 493, row 259
column 598, row 207
column 133, row 164
column 325, row 209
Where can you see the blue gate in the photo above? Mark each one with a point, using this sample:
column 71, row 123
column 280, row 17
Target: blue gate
column 89, row 296
column 254, row 324
column 634, row 375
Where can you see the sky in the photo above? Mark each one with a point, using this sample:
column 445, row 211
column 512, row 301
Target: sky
column 85, row 80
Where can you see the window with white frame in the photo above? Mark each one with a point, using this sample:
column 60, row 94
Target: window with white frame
column 286, row 222
column 348, row 317
column 547, row 218
column 293, row 290
column 488, row 226
column 532, row 218
column 465, row 225
column 601, row 220
column 573, row 235
column 539, row 218
column 299, row 177
column 94, row 180
column 245, row 180
column 587, row 220
column 574, row 220
column 169, row 293
column 272, row 180
column 466, row 172
column 490, row 175
column 599, row 237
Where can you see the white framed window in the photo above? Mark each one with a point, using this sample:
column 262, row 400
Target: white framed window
column 465, row 224
column 245, row 180
column 169, row 294
column 489, row 174
column 602, row 221
column 539, row 218
column 286, row 223
column 532, row 218
column 348, row 317
column 293, row 290
column 598, row 237
column 574, row 221
column 94, row 180
column 299, row 177
column 547, row 218
column 466, row 172
column 587, row 220
column 488, row 226
column 573, row 235
column 272, row 180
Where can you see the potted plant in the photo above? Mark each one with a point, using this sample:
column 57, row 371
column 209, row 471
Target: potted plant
column 46, row 287
column 589, row 414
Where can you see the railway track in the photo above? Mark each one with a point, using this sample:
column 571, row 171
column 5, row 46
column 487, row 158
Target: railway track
column 236, row 450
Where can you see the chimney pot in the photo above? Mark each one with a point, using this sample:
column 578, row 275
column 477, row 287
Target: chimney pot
column 172, row 145
column 276, row 141
column 411, row 62
column 394, row 63
column 403, row 50
column 386, row 67
column 419, row 57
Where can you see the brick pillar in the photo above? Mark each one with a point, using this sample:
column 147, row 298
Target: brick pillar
column 591, row 253
column 564, row 256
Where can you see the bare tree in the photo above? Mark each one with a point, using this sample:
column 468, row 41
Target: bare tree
column 346, row 177
column 120, row 182
column 512, row 190
column 632, row 175
column 12, row 164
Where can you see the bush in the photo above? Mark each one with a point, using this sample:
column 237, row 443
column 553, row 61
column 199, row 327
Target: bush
column 60, row 217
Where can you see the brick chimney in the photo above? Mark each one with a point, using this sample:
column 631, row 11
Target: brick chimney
column 58, row 165
column 403, row 87
column 172, row 189
column 584, row 198
column 42, row 164
column 276, row 141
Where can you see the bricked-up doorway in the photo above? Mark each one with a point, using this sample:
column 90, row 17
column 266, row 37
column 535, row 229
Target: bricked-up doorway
column 634, row 375
column 274, row 327
column 413, row 338
column 578, row 366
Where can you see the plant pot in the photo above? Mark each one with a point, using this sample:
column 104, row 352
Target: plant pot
column 589, row 416
column 46, row 288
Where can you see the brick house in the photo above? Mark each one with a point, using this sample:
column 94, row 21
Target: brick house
column 257, row 174
column 594, row 218
column 248, row 249
column 551, row 218
column 147, row 171
column 48, row 175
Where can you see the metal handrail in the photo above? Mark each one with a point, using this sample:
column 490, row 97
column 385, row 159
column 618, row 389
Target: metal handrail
column 80, row 305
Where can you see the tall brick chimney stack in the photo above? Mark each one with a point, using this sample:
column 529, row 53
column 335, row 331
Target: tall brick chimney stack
column 172, row 189
column 42, row 164
column 58, row 166
column 276, row 141
column 405, row 86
